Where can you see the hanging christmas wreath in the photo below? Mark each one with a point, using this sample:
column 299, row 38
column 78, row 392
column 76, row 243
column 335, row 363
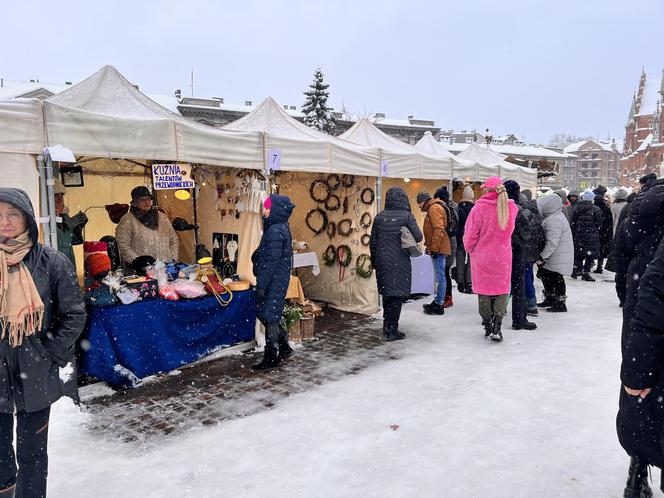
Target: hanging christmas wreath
column 333, row 203
column 366, row 220
column 344, row 255
column 331, row 229
column 312, row 191
column 309, row 218
column 330, row 255
column 345, row 227
column 347, row 181
column 363, row 267
column 367, row 196
column 365, row 239
column 333, row 181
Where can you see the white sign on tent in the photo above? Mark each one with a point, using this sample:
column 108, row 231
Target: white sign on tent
column 172, row 176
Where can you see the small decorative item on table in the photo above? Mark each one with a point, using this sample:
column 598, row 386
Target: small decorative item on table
column 147, row 287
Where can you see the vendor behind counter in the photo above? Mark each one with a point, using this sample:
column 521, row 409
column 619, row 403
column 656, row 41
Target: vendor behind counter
column 145, row 231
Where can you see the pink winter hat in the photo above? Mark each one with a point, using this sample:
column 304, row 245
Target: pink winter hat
column 492, row 182
column 267, row 204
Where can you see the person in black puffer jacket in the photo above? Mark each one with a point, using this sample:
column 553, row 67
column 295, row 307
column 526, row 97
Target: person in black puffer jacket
column 640, row 280
column 36, row 361
column 463, row 274
column 606, row 230
column 586, row 222
column 521, row 240
column 392, row 264
column 533, row 248
column 272, row 263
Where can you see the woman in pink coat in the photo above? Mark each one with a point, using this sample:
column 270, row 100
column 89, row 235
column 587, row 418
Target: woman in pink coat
column 488, row 240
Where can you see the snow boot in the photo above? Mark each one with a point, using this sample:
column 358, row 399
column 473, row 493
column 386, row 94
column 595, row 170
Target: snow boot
column 285, row 349
column 548, row 301
column 637, row 480
column 575, row 274
column 396, row 336
column 488, row 327
column 271, row 354
column 434, row 309
column 448, row 302
column 427, row 306
column 559, row 306
column 532, row 311
column 496, row 333
column 526, row 325
column 587, row 278
column 8, row 492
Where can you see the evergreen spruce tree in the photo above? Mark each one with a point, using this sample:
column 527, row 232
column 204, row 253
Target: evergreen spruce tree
column 316, row 112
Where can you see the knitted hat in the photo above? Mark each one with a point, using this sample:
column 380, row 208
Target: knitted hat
column 139, row 192
column 468, row 194
column 267, row 203
column 600, row 190
column 116, row 211
column 492, row 182
column 513, row 190
column 423, row 197
column 98, row 263
column 587, row 195
column 442, row 193
column 646, row 178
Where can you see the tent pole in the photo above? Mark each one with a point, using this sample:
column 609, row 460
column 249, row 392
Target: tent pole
column 379, row 200
column 48, row 199
column 194, row 199
column 43, row 199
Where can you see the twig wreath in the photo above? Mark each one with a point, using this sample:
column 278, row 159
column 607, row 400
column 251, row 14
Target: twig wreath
column 332, row 203
column 333, row 181
column 365, row 239
column 312, row 190
column 363, row 266
column 345, row 227
column 344, row 255
column 330, row 255
column 367, row 196
column 309, row 218
column 347, row 181
column 366, row 220
column 331, row 229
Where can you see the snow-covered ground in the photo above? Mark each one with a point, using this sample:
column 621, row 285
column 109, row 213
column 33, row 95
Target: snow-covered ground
column 451, row 416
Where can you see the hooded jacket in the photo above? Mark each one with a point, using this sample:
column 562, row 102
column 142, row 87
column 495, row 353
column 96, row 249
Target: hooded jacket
column 606, row 228
column 273, row 260
column 490, row 248
column 558, row 252
column 435, row 223
column 619, row 202
column 586, row 222
column 30, row 377
column 392, row 264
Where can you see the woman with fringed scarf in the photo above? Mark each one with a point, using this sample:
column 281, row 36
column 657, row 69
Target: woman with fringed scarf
column 41, row 316
column 488, row 239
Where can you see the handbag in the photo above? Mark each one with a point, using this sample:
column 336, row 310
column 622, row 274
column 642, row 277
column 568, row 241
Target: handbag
column 408, row 244
column 214, row 284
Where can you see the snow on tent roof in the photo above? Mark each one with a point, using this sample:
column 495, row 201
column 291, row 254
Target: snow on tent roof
column 430, row 145
column 14, row 89
column 513, row 150
column 403, row 160
column 106, row 116
column 490, row 163
column 650, row 96
column 303, row 148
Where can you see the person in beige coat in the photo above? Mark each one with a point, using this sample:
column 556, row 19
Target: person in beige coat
column 144, row 231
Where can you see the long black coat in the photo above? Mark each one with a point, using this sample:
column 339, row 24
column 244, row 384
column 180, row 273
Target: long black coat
column 464, row 211
column 273, row 260
column 606, row 229
column 586, row 222
column 30, row 377
column 392, row 264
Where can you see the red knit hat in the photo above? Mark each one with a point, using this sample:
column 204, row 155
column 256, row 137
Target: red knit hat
column 98, row 263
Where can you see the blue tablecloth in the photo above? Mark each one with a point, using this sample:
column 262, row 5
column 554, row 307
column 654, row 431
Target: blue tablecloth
column 129, row 342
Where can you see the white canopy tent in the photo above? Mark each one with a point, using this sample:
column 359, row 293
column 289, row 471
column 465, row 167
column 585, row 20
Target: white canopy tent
column 488, row 163
column 302, row 148
column 403, row 160
column 106, row 116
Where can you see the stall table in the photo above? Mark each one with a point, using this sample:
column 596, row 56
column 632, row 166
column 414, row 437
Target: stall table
column 129, row 342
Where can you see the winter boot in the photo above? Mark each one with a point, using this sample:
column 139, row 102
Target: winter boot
column 427, row 306
column 637, row 480
column 285, row 349
column 496, row 333
column 396, row 336
column 8, row 492
column 434, row 309
column 548, row 301
column 600, row 266
column 532, row 311
column 559, row 306
column 448, row 302
column 575, row 274
column 526, row 325
column 271, row 354
column 587, row 278
column 488, row 327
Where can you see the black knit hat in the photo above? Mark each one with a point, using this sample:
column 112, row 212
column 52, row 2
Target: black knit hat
column 139, row 192
column 646, row 178
column 513, row 189
column 600, row 190
column 442, row 193
column 423, row 197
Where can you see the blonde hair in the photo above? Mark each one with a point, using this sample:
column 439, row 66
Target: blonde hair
column 503, row 210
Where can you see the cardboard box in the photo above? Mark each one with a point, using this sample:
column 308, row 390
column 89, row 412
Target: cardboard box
column 147, row 288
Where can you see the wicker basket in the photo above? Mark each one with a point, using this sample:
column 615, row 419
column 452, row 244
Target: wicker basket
column 307, row 326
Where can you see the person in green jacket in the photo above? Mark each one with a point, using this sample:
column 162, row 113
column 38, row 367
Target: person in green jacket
column 70, row 228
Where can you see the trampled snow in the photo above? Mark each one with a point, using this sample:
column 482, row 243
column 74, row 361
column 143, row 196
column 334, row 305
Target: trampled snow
column 450, row 416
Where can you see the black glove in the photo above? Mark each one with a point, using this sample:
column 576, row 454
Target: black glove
column 434, row 255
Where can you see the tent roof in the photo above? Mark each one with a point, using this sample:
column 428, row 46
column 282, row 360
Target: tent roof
column 106, row 116
column 430, row 145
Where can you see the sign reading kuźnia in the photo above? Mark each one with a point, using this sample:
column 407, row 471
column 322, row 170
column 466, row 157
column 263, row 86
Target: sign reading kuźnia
column 172, row 176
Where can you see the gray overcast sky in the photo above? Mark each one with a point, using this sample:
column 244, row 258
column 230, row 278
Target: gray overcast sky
column 528, row 67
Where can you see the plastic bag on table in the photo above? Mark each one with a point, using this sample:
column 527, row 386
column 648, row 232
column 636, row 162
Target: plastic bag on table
column 189, row 288
column 113, row 280
column 168, row 292
column 127, row 295
column 158, row 272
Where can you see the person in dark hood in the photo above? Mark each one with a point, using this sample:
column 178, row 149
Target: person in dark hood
column 534, row 248
column 145, row 231
column 572, row 199
column 41, row 315
column 69, row 228
column 452, row 211
column 392, row 264
column 521, row 241
column 586, row 222
column 606, row 229
column 272, row 264
column 463, row 273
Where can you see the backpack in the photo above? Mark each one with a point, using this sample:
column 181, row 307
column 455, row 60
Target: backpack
column 452, row 221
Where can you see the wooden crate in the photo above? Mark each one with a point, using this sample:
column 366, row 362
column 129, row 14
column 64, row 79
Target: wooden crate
column 294, row 333
column 307, row 325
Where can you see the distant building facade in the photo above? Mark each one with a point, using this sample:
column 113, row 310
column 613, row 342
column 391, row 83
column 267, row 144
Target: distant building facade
column 597, row 163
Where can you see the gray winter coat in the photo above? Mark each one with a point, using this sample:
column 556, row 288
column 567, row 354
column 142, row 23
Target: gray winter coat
column 392, row 264
column 619, row 202
column 30, row 378
column 558, row 252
